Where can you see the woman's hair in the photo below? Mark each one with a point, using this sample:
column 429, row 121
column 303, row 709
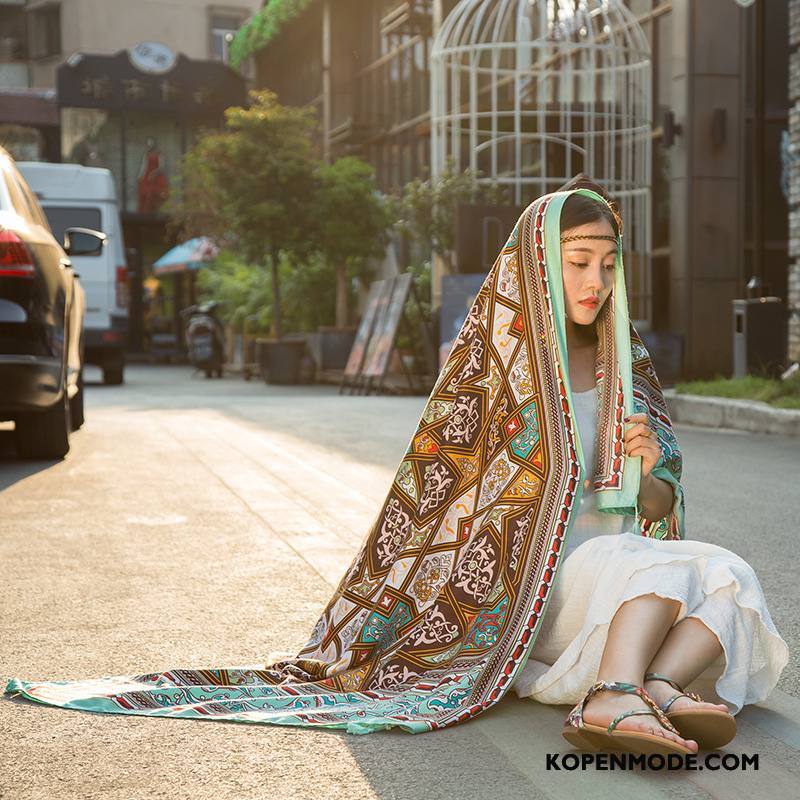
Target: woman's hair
column 580, row 210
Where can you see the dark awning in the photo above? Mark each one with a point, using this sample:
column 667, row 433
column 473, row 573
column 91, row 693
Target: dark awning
column 35, row 107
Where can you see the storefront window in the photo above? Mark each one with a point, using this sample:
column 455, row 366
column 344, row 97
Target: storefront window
column 153, row 151
column 92, row 136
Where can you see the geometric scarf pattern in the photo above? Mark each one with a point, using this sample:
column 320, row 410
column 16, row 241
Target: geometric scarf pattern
column 442, row 603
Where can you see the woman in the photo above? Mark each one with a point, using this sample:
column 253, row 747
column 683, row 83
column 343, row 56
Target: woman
column 435, row 618
column 671, row 610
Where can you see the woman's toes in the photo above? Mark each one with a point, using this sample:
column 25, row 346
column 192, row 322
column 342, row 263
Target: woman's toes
column 689, row 743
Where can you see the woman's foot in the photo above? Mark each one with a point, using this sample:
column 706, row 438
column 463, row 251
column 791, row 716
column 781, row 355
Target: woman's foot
column 661, row 691
column 603, row 707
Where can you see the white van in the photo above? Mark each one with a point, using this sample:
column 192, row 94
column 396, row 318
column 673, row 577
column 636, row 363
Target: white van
column 76, row 196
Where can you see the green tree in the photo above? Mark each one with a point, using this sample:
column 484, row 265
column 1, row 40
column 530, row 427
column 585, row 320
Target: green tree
column 250, row 187
column 245, row 290
column 242, row 288
column 352, row 221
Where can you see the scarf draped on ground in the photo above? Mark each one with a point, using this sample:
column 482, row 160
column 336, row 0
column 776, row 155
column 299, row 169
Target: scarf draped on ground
column 440, row 607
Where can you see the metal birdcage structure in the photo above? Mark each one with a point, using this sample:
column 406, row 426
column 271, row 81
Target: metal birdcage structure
column 528, row 93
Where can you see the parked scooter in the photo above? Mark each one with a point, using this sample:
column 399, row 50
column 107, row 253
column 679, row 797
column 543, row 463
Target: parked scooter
column 205, row 337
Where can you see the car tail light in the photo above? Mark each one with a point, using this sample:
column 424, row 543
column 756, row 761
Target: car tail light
column 16, row 260
column 121, row 286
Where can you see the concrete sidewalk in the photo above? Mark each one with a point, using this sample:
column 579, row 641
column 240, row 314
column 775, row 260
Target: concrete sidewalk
column 755, row 416
column 205, row 523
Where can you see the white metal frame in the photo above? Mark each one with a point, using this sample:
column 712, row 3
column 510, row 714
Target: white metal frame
column 531, row 92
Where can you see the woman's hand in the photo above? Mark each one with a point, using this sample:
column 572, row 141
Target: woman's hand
column 641, row 440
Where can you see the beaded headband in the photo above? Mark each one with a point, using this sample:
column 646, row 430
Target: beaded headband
column 588, row 236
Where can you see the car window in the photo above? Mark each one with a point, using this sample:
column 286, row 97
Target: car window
column 63, row 217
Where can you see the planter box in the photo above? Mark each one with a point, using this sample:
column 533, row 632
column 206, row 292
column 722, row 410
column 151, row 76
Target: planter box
column 281, row 360
column 330, row 347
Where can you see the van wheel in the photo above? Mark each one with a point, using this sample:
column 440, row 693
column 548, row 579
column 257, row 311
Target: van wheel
column 113, row 370
column 44, row 434
column 76, row 405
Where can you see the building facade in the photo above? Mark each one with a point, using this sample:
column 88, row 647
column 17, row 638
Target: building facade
column 125, row 86
column 38, row 35
column 719, row 113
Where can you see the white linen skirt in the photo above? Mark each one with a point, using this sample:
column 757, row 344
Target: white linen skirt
column 711, row 583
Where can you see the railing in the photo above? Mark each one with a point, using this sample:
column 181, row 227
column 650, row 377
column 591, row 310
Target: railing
column 411, row 18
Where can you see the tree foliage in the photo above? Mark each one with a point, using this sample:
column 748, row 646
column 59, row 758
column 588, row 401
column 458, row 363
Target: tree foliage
column 250, row 187
column 426, row 209
column 245, row 290
column 294, row 231
column 352, row 223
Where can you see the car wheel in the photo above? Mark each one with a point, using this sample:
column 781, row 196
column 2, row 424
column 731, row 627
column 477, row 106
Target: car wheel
column 44, row 434
column 113, row 371
column 76, row 405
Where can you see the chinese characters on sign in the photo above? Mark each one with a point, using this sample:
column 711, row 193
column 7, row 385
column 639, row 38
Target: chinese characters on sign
column 137, row 90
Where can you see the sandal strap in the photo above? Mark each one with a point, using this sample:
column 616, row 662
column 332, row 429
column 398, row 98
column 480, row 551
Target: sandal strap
column 630, row 713
column 693, row 695
column 665, row 705
column 575, row 717
column 655, row 676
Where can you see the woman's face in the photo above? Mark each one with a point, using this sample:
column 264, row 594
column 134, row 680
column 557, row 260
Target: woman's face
column 587, row 266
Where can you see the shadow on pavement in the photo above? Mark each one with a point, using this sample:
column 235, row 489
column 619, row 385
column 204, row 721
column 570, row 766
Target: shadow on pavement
column 14, row 469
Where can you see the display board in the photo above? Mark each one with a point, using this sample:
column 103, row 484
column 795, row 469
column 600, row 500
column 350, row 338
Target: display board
column 386, row 330
column 379, row 293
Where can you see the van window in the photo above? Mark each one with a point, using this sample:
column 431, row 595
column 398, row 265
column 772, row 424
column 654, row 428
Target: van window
column 63, row 217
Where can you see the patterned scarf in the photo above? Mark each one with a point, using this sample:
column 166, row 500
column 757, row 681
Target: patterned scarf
column 440, row 607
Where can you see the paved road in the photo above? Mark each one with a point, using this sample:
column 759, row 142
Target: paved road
column 185, row 529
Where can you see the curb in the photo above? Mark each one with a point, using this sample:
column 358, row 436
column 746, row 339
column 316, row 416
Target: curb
column 723, row 412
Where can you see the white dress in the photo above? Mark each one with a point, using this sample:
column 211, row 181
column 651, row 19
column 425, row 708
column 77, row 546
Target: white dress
column 606, row 563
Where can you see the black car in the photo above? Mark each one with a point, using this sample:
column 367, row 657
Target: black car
column 41, row 321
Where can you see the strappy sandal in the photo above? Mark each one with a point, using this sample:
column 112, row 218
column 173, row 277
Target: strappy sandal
column 709, row 728
column 584, row 735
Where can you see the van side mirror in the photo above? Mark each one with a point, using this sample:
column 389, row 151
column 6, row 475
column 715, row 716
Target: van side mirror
column 83, row 242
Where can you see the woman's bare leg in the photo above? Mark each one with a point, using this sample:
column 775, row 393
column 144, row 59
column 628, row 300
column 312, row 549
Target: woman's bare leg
column 687, row 651
column 635, row 635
